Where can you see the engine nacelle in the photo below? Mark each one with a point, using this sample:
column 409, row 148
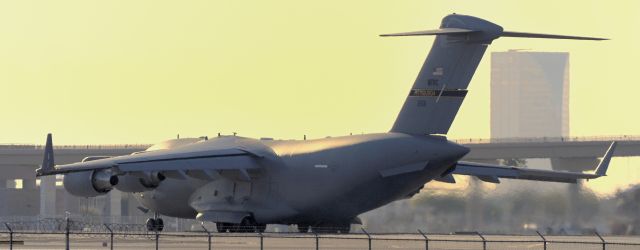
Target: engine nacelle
column 90, row 183
column 139, row 182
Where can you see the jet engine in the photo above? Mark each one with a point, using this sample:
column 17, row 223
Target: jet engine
column 90, row 183
column 139, row 182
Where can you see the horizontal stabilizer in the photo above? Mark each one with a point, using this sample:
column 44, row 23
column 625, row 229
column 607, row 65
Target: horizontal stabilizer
column 442, row 31
column 458, row 31
column 549, row 36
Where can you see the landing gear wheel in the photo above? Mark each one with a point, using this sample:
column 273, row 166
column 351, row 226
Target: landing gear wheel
column 246, row 225
column 159, row 224
column 260, row 228
column 331, row 228
column 151, row 224
column 343, row 229
column 222, row 227
column 303, row 228
column 323, row 229
column 155, row 225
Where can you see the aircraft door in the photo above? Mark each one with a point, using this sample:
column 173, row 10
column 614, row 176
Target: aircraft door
column 242, row 191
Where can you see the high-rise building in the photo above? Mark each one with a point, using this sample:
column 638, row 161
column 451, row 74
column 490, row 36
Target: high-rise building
column 529, row 94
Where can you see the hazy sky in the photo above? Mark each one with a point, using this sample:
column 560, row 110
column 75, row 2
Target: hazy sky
column 143, row 71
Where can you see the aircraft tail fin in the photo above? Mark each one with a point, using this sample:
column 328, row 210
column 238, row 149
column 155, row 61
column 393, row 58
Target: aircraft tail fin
column 441, row 85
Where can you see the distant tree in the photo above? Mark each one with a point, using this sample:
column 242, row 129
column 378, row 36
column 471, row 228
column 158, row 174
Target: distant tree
column 516, row 162
column 628, row 208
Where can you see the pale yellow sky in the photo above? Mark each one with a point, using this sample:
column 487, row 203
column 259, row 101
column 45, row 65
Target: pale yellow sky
column 143, row 71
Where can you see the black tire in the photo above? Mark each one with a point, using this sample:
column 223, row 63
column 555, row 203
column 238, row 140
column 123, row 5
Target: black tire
column 159, row 224
column 323, row 229
column 247, row 225
column 303, row 228
column 151, row 224
column 260, row 228
column 331, row 228
column 234, row 228
column 222, row 227
column 343, row 229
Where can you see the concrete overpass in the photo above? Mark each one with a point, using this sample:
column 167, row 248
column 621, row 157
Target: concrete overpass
column 481, row 149
column 550, row 147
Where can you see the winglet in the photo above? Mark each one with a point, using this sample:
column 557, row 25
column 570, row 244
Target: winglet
column 48, row 160
column 601, row 170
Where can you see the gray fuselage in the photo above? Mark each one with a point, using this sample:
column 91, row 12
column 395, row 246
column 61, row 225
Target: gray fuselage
column 311, row 181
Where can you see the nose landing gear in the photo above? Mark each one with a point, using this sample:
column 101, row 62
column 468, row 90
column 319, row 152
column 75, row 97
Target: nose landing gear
column 331, row 228
column 325, row 228
column 248, row 225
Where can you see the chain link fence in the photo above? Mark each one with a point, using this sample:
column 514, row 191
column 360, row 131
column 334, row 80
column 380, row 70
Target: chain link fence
column 75, row 234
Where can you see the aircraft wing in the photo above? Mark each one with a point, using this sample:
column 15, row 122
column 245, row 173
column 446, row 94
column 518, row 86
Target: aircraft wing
column 493, row 173
column 182, row 159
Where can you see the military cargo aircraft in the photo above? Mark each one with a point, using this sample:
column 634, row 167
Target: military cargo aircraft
column 243, row 184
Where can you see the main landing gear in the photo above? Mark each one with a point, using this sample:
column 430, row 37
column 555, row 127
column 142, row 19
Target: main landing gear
column 155, row 224
column 325, row 228
column 248, row 225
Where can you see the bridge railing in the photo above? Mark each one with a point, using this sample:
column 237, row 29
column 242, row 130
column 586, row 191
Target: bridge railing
column 88, row 146
column 459, row 140
column 548, row 139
